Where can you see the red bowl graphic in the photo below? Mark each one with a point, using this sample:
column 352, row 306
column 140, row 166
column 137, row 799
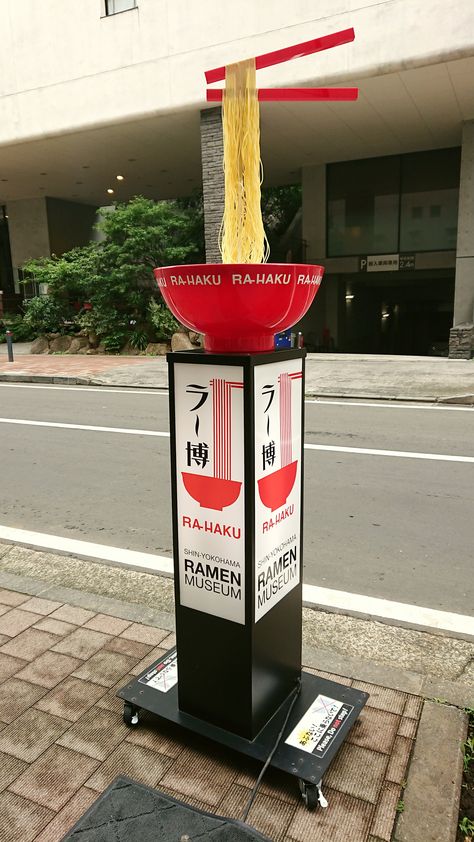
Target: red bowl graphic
column 275, row 488
column 211, row 492
column 239, row 307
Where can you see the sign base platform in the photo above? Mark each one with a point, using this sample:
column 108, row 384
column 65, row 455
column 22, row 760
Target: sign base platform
column 320, row 721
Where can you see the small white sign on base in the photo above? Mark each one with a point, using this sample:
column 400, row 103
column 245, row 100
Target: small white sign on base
column 318, row 728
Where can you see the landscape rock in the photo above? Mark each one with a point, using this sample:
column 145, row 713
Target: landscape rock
column 195, row 338
column 40, row 345
column 101, row 349
column 158, row 349
column 129, row 351
column 92, row 351
column 77, row 344
column 93, row 339
column 60, row 345
column 181, row 342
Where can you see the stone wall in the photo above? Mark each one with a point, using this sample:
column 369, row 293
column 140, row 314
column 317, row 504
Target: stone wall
column 212, row 154
column 461, row 342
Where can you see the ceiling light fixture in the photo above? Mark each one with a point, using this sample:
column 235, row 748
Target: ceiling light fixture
column 119, row 177
column 109, row 190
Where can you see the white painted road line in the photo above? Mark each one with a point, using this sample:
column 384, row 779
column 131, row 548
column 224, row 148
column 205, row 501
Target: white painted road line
column 374, row 607
column 85, row 549
column 163, row 392
column 364, row 451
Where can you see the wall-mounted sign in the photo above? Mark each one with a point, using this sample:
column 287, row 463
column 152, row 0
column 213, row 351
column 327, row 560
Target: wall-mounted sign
column 278, row 395
column 386, row 262
column 210, row 489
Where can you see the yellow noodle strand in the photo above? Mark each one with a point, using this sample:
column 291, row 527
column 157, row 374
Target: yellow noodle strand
column 242, row 237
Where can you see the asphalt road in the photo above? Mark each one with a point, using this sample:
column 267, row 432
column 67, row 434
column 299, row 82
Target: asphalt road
column 393, row 527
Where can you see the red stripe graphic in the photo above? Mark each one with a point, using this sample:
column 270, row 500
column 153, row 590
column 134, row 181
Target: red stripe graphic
column 222, row 426
column 285, row 419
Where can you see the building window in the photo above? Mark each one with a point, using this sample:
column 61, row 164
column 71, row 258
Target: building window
column 429, row 200
column 113, row 7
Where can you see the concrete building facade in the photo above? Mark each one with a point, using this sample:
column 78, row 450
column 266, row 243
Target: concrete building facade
column 95, row 89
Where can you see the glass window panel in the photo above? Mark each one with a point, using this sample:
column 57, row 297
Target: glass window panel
column 112, row 7
column 429, row 201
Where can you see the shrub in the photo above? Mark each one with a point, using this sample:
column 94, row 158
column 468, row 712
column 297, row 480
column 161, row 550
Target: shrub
column 44, row 314
column 162, row 320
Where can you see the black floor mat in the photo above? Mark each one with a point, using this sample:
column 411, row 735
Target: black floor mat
column 130, row 812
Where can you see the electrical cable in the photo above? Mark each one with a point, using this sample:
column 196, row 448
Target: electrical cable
column 246, row 810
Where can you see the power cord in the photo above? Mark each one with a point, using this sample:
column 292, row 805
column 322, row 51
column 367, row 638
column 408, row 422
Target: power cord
column 246, row 810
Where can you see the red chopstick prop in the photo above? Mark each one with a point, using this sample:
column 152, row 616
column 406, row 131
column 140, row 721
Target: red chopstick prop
column 307, row 48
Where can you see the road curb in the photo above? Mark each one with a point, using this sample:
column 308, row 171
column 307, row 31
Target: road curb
column 431, row 796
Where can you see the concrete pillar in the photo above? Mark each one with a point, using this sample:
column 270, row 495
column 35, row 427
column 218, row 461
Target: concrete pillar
column 29, row 232
column 464, row 282
column 314, row 212
column 212, row 155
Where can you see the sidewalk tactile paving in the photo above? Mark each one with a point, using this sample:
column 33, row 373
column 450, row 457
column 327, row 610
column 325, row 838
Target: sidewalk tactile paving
column 109, row 699
column 22, row 818
column 129, row 647
column 97, row 733
column 358, row 772
column 9, row 666
column 268, row 815
column 398, row 762
column 408, row 727
column 385, row 813
column 106, row 623
column 82, row 643
column 73, row 614
column 413, row 707
column 145, row 634
column 55, row 777
column 10, row 768
column 68, row 816
column 16, row 696
column 168, row 739
column 275, row 783
column 346, row 819
column 105, row 668
column 40, row 606
column 49, row 669
column 148, row 659
column 201, row 776
column 375, row 729
column 29, row 644
column 16, row 621
column 31, row 734
column 70, row 699
column 141, row 764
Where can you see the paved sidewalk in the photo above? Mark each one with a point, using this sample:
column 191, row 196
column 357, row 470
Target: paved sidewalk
column 64, row 653
column 327, row 375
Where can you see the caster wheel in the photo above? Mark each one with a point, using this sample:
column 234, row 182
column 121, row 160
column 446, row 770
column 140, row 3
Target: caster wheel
column 309, row 794
column 130, row 715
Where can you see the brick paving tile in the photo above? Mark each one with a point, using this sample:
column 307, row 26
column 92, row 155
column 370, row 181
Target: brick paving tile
column 12, row 597
column 68, row 816
column 141, row 764
column 144, row 634
column 382, row 697
column 96, row 733
column 330, row 676
column 29, row 644
column 347, row 819
column 200, row 775
column 375, row 729
column 55, row 777
column 408, row 727
column 268, row 815
column 168, row 642
column 21, row 819
column 70, row 699
column 40, row 606
column 109, row 700
column 73, row 614
column 193, row 802
column 16, row 621
column 128, row 647
column 148, row 659
column 357, row 771
column 82, row 643
column 105, row 668
column 4, row 639
column 4, row 609
column 413, row 707
column 397, row 765
column 16, row 696
column 107, row 624
column 10, row 768
column 385, row 812
column 49, row 669
column 276, row 784
column 57, row 627
column 9, row 666
column 31, row 734
column 158, row 735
